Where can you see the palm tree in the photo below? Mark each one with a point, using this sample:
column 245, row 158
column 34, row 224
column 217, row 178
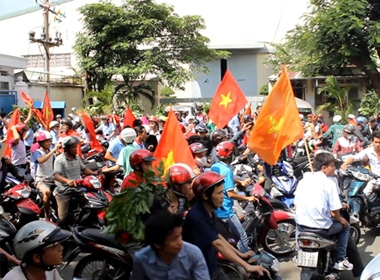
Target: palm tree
column 102, row 101
column 340, row 105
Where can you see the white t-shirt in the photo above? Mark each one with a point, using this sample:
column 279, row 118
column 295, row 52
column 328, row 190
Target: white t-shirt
column 316, row 196
column 17, row 273
column 374, row 161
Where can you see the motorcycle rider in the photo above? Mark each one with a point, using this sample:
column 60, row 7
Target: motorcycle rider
column 335, row 130
column 5, row 167
column 38, row 246
column 107, row 127
column 225, row 151
column 318, row 206
column 348, row 143
column 54, row 131
column 199, row 153
column 200, row 229
column 67, row 129
column 141, row 161
column 167, row 256
column 372, row 154
column 372, row 125
column 68, row 168
column 18, row 148
column 43, row 159
column 117, row 144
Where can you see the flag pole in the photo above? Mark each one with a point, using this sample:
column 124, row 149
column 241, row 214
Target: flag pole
column 308, row 155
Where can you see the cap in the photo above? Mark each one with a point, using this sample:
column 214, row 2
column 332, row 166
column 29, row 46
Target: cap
column 351, row 116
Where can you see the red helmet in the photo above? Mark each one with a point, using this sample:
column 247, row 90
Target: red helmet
column 180, row 173
column 205, row 181
column 42, row 136
column 20, row 127
column 224, row 149
column 154, row 119
column 139, row 156
column 320, row 115
column 217, row 136
column 197, row 148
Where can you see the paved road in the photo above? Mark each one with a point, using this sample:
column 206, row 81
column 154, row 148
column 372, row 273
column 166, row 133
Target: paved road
column 369, row 247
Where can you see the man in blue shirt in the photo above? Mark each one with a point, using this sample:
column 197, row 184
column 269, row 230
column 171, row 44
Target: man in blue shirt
column 108, row 128
column 126, row 136
column 224, row 151
column 167, row 256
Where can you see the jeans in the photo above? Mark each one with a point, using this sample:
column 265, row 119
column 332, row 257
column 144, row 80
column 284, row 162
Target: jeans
column 239, row 233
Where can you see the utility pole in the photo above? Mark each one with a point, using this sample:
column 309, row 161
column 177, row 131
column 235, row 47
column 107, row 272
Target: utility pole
column 45, row 40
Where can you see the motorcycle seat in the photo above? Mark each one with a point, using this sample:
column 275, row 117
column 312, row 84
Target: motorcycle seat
column 98, row 236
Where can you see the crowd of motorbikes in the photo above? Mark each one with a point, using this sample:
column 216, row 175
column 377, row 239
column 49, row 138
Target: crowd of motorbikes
column 270, row 223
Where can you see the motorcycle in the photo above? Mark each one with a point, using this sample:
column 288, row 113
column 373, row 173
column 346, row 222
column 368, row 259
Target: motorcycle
column 107, row 259
column 283, row 182
column 316, row 256
column 371, row 271
column 273, row 229
column 366, row 210
column 18, row 205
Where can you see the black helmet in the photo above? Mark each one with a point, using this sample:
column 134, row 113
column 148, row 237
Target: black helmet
column 67, row 122
column 218, row 135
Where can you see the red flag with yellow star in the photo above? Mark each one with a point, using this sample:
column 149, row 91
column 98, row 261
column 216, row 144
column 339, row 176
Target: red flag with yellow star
column 173, row 147
column 228, row 100
column 278, row 123
column 27, row 99
column 15, row 119
column 47, row 110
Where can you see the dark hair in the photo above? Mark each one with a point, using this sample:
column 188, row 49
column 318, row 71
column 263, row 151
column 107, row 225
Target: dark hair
column 210, row 190
column 137, row 122
column 159, row 226
column 322, row 159
column 375, row 134
column 139, row 129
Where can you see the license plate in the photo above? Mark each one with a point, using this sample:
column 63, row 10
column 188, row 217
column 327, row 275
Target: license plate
column 307, row 259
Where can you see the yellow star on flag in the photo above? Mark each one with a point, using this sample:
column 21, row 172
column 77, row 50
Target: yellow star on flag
column 169, row 160
column 47, row 113
column 276, row 125
column 225, row 100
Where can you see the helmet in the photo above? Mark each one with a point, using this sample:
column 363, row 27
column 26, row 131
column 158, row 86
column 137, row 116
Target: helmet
column 320, row 115
column 217, row 136
column 74, row 109
column 20, row 127
column 337, row 118
column 205, row 181
column 69, row 141
column 53, row 124
column 362, row 120
column 153, row 119
column 139, row 156
column 128, row 135
column 197, row 148
column 224, row 149
column 201, row 128
column 163, row 118
column 301, row 116
column 67, row 122
column 104, row 117
column 351, row 116
column 349, row 128
column 180, row 173
column 42, row 136
column 58, row 116
column 35, row 235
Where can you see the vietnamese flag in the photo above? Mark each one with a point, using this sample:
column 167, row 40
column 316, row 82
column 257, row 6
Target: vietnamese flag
column 173, row 147
column 129, row 118
column 89, row 125
column 15, row 119
column 27, row 99
column 47, row 110
column 228, row 100
column 40, row 118
column 278, row 123
column 247, row 111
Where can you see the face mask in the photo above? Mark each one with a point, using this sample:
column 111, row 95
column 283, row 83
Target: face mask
column 202, row 160
column 349, row 136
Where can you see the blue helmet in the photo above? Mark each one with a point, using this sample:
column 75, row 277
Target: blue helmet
column 201, row 128
column 362, row 120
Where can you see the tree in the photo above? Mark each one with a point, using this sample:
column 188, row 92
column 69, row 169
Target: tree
column 139, row 39
column 337, row 98
column 370, row 105
column 334, row 35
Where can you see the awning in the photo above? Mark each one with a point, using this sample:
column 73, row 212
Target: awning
column 54, row 104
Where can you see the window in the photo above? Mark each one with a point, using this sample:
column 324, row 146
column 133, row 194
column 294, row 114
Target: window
column 4, row 85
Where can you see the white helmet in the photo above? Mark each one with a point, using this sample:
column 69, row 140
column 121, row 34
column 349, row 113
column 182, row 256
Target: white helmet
column 53, row 124
column 337, row 118
column 128, row 135
column 36, row 235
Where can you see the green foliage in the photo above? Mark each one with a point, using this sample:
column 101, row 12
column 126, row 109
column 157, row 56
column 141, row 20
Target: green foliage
column 137, row 39
column 102, row 102
column 126, row 208
column 264, row 90
column 206, row 108
column 370, row 104
column 333, row 35
column 338, row 96
column 166, row 92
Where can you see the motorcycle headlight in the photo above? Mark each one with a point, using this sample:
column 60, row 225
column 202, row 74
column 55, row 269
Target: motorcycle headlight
column 375, row 277
column 25, row 192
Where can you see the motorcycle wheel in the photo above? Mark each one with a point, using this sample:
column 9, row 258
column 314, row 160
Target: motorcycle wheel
column 355, row 233
column 282, row 241
column 233, row 272
column 96, row 268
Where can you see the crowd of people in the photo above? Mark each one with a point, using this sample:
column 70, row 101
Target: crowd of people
column 206, row 190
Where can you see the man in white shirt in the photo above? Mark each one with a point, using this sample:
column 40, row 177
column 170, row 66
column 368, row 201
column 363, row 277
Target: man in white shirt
column 318, row 206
